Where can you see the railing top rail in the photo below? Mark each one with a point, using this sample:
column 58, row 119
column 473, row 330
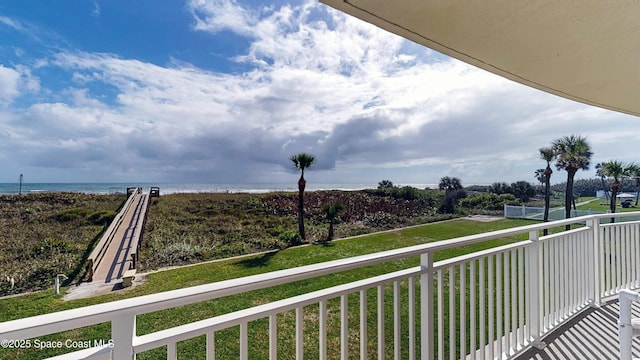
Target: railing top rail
column 69, row 319
column 618, row 214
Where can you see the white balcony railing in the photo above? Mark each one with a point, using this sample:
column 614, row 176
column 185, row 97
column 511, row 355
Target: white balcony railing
column 489, row 304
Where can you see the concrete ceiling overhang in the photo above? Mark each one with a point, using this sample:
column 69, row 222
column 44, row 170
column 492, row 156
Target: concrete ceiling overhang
column 587, row 51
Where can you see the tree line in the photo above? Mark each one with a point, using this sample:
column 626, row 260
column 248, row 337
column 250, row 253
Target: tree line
column 570, row 153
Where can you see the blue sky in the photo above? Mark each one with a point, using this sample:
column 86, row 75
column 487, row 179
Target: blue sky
column 225, row 91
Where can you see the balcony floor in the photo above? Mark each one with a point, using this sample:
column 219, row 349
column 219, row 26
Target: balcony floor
column 590, row 335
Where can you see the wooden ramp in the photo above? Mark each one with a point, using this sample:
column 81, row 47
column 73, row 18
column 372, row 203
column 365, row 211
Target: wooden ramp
column 115, row 256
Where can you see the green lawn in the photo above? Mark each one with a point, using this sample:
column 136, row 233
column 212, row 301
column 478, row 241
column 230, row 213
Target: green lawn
column 595, row 204
column 46, row 301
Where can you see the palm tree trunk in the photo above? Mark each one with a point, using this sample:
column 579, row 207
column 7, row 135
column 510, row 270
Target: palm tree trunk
column 604, row 187
column 614, row 196
column 612, row 203
column 568, row 196
column 301, row 185
column 547, row 200
column 330, row 237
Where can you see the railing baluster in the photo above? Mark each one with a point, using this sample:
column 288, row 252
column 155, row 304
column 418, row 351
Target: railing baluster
column 607, row 259
column 412, row 317
column 244, row 341
column 521, row 304
column 344, row 327
column 172, row 351
column 426, row 306
column 627, row 255
column 636, row 262
column 618, row 260
column 473, row 346
column 562, row 266
column 499, row 308
column 363, row 324
column 514, row 301
column 482, row 308
column 452, row 313
column 535, row 286
column 273, row 334
column 440, row 313
column 556, row 283
column 507, row 303
column 322, row 330
column 300, row 333
column 545, row 273
column 623, row 255
column 211, row 346
column 463, row 308
column 491, row 296
column 381, row 354
column 123, row 330
column 396, row 320
column 597, row 260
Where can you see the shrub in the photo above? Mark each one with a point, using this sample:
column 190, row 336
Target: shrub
column 101, row 217
column 379, row 220
column 71, row 215
column 290, row 238
column 488, row 201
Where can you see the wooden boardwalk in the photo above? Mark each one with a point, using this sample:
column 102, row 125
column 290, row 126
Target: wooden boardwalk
column 592, row 334
column 117, row 258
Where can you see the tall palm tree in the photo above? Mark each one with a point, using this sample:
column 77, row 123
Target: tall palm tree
column 573, row 153
column 332, row 211
column 301, row 161
column 602, row 177
column 450, row 185
column 634, row 172
column 616, row 170
column 547, row 154
column 539, row 175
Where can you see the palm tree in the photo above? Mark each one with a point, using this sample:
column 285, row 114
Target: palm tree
column 301, row 161
column 332, row 212
column 573, row 153
column 634, row 172
column 385, row 184
column 602, row 177
column 547, row 154
column 539, row 175
column 615, row 170
column 450, row 185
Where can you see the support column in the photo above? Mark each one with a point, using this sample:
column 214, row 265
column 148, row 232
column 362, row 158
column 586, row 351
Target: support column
column 123, row 330
column 535, row 290
column 426, row 307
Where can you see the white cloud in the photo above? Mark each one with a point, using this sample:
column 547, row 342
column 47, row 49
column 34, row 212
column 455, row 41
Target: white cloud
column 366, row 102
column 96, row 10
column 218, row 15
column 9, row 82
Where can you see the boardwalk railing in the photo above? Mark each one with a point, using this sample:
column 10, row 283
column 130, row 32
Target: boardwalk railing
column 139, row 227
column 488, row 304
column 98, row 252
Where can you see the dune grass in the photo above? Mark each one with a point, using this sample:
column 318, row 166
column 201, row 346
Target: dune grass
column 44, row 302
column 45, row 234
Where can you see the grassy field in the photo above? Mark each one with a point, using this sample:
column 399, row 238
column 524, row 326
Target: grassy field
column 53, row 233
column 601, row 205
column 46, row 301
column 47, row 234
column 191, row 228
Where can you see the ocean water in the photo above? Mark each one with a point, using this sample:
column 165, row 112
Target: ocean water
column 170, row 188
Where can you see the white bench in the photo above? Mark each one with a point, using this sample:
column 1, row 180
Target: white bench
column 127, row 278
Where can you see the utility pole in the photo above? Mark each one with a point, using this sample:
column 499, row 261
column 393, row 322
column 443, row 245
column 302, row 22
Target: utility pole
column 20, row 189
